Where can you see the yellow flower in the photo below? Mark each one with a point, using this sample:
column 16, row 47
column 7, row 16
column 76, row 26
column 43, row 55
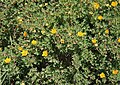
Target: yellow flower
column 45, row 53
column 20, row 20
column 80, row 34
column 53, row 31
column 25, row 34
column 94, row 41
column 118, row 40
column 107, row 31
column 114, row 3
column 115, row 71
column 34, row 42
column 100, row 17
column 102, row 75
column 62, row 41
column 43, row 31
column 24, row 52
column 7, row 60
column 96, row 5
column 20, row 48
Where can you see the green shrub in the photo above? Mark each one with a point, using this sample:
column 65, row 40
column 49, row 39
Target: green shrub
column 59, row 42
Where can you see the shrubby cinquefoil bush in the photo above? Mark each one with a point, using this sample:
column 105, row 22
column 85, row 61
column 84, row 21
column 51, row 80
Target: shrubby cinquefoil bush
column 60, row 42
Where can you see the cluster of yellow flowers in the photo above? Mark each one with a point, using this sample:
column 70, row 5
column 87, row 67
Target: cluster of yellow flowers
column 45, row 53
column 97, row 6
column 94, row 41
column 79, row 34
column 102, row 75
column 33, row 42
column 24, row 52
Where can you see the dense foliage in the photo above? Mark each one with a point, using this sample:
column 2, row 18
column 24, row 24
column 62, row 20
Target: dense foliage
column 59, row 42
